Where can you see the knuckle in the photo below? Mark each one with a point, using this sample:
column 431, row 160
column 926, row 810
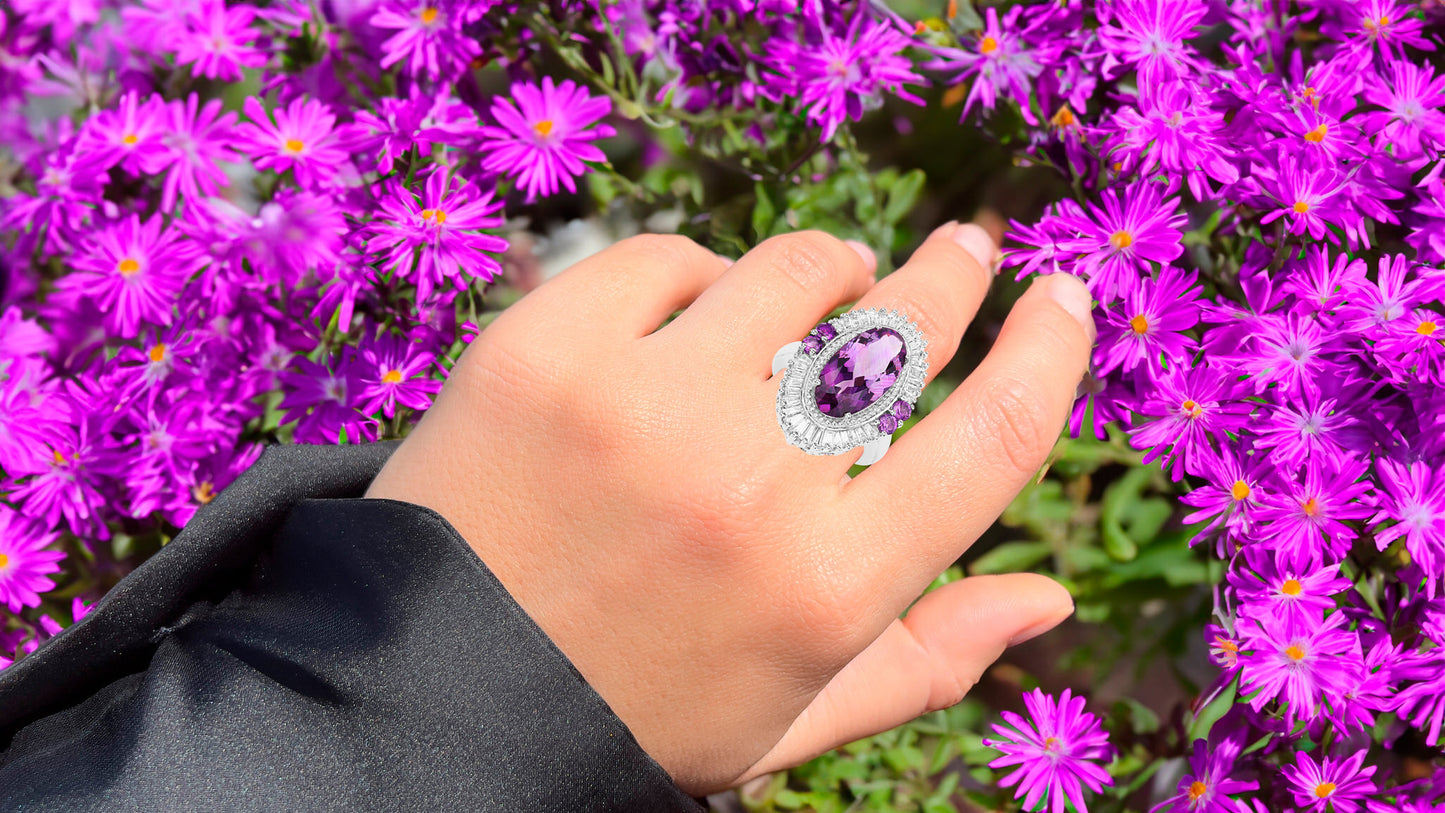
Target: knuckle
column 1016, row 415
column 830, row 601
column 811, row 260
column 665, row 249
column 720, row 513
column 923, row 312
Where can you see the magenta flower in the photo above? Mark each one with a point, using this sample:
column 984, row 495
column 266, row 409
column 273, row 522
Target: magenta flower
column 24, row 560
column 437, row 237
column 195, row 140
column 1173, row 128
column 1056, row 749
column 429, row 38
column 833, row 77
column 1150, row 324
column 80, row 460
column 1000, row 63
column 1289, row 352
column 1331, row 785
column 1191, row 407
column 1309, row 198
column 1413, row 498
column 323, row 400
column 1305, row 425
column 219, row 41
column 543, row 138
column 133, row 271
column 1411, row 121
column 305, row 139
column 1150, row 35
column 128, row 135
column 1298, row 593
column 1207, row 787
column 1133, row 228
column 393, row 371
column 1299, row 666
column 1231, row 494
column 1311, row 516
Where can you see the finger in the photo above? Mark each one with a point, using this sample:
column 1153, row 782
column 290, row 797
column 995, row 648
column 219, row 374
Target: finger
column 629, row 288
column 774, row 295
column 924, row 662
column 962, row 464
column 939, row 288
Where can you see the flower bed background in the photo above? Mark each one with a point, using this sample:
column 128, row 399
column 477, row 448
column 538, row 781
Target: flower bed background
column 225, row 225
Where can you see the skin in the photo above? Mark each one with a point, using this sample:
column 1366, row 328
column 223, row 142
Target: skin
column 631, row 488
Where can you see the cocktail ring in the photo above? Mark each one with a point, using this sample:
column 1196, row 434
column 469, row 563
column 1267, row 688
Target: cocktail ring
column 850, row 382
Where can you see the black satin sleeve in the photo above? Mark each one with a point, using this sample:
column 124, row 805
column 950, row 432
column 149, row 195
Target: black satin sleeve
column 297, row 647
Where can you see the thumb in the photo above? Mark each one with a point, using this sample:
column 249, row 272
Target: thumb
column 926, row 661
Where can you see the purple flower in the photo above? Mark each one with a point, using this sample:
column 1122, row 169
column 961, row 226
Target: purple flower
column 1207, row 788
column 24, row 560
column 1150, row 36
column 1413, row 498
column 1331, row 785
column 393, row 371
column 1001, row 62
column 1150, row 323
column 1411, row 121
column 1297, row 665
column 323, row 400
column 1310, row 516
column 1132, row 229
column 133, row 271
column 833, row 76
column 1231, row 494
column 437, row 237
column 1055, row 750
column 1173, row 128
column 195, row 138
column 1268, row 585
column 219, row 41
column 1191, row 408
column 1308, row 197
column 81, row 459
column 304, row 139
column 128, row 135
column 429, row 38
column 543, row 138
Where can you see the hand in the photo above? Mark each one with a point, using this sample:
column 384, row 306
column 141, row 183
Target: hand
column 734, row 599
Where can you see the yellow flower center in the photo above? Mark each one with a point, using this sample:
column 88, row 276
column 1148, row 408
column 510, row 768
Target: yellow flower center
column 1196, row 790
column 1300, row 207
column 1324, row 789
column 437, row 214
column 1064, row 117
column 1316, row 135
column 1311, row 507
column 1121, row 239
column 429, row 15
column 1139, row 324
column 1291, row 587
column 1426, row 328
column 127, row 266
column 203, row 492
column 1051, row 743
column 1191, row 408
column 1239, row 491
column 543, row 127
column 157, row 353
column 295, row 145
column 4, row 560
column 988, row 46
column 392, row 377
column 130, row 139
column 59, row 458
column 1295, row 652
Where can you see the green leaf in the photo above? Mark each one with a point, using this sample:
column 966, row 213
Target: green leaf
column 1011, row 557
column 764, row 213
column 1212, row 713
column 903, row 195
column 1117, row 543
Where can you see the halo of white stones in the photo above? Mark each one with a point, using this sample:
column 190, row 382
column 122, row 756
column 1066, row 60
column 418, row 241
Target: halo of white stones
column 812, row 431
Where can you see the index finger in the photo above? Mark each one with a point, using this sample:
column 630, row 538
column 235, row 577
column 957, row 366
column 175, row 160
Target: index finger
column 949, row 477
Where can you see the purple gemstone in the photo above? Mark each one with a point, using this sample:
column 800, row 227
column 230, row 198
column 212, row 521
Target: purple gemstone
column 826, row 331
column 812, row 344
column 902, row 409
column 860, row 372
column 887, row 423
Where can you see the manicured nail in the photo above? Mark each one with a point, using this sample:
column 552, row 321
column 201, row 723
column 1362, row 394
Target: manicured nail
column 1029, row 633
column 1070, row 293
column 973, row 238
column 865, row 252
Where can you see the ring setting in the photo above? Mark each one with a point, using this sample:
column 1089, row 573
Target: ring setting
column 851, row 382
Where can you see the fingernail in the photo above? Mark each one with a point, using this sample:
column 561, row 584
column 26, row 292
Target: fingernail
column 1071, row 294
column 973, row 238
column 865, row 252
column 1029, row 633
column 946, row 230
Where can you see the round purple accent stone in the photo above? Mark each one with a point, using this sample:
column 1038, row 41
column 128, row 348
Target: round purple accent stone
column 887, row 423
column 826, row 331
column 902, row 409
column 812, row 344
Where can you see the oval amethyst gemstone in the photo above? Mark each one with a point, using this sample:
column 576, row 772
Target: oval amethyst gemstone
column 860, row 372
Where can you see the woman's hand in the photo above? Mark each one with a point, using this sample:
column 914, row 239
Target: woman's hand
column 734, row 599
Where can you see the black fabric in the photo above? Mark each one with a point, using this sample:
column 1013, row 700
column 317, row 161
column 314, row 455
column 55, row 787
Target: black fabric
column 296, row 647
